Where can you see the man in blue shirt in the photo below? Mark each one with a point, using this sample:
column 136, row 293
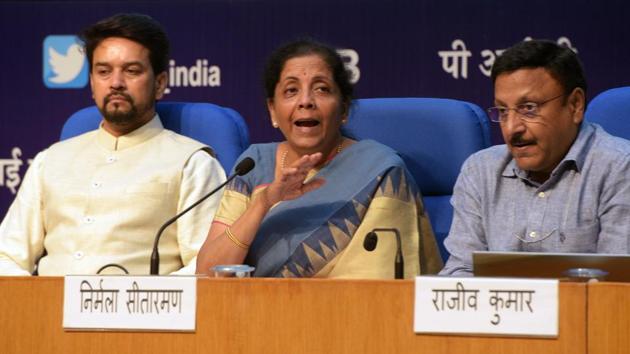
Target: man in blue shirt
column 560, row 184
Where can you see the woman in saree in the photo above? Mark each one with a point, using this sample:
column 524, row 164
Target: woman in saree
column 305, row 210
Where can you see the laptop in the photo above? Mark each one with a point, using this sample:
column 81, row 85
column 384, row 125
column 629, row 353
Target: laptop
column 549, row 265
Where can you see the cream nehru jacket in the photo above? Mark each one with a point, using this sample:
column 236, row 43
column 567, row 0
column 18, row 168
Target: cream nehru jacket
column 102, row 200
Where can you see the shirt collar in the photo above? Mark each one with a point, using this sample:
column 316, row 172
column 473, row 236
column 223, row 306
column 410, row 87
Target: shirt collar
column 140, row 135
column 575, row 157
column 579, row 150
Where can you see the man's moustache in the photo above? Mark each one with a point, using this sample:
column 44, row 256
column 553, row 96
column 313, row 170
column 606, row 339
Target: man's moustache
column 518, row 140
column 121, row 95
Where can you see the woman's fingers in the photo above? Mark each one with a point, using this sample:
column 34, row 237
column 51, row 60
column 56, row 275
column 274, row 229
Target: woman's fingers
column 307, row 162
column 302, row 166
column 291, row 184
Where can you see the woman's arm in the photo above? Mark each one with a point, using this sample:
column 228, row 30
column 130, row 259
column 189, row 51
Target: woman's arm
column 229, row 244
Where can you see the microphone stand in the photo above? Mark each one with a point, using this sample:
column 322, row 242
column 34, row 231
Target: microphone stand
column 370, row 244
column 241, row 169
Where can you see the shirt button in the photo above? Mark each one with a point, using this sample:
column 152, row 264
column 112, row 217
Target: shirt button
column 96, row 184
column 111, row 159
column 542, row 194
column 533, row 234
column 78, row 255
column 88, row 219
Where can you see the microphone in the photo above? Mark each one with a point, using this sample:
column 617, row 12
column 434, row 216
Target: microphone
column 243, row 167
column 370, row 241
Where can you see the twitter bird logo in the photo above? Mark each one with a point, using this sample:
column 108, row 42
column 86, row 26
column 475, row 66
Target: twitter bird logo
column 65, row 65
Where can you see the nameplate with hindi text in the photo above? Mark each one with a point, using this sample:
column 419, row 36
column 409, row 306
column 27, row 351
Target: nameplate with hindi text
column 151, row 303
column 493, row 306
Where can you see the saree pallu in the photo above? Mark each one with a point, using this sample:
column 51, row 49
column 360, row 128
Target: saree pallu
column 321, row 233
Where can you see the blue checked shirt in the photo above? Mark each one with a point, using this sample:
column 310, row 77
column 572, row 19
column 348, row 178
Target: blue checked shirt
column 583, row 207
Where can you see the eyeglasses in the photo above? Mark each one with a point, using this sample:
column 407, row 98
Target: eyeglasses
column 528, row 111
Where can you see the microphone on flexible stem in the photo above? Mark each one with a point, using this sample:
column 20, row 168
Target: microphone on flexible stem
column 243, row 167
column 370, row 241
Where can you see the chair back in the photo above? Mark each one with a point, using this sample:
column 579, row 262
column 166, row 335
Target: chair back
column 433, row 136
column 611, row 110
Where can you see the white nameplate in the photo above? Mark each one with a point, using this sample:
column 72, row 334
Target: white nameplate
column 505, row 306
column 162, row 303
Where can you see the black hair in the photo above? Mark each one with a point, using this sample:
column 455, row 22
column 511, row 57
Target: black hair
column 139, row 28
column 300, row 48
column 561, row 62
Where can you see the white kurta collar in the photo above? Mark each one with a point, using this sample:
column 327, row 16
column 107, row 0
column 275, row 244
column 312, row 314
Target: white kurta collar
column 140, row 135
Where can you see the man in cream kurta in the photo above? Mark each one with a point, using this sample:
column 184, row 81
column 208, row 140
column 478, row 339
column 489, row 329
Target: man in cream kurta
column 96, row 199
column 101, row 197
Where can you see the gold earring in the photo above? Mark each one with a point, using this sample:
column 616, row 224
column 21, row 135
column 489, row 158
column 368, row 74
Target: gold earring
column 274, row 124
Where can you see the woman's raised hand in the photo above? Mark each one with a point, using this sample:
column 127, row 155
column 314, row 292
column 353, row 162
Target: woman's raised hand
column 290, row 183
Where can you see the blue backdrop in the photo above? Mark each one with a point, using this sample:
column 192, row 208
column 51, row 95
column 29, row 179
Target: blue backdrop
column 394, row 49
